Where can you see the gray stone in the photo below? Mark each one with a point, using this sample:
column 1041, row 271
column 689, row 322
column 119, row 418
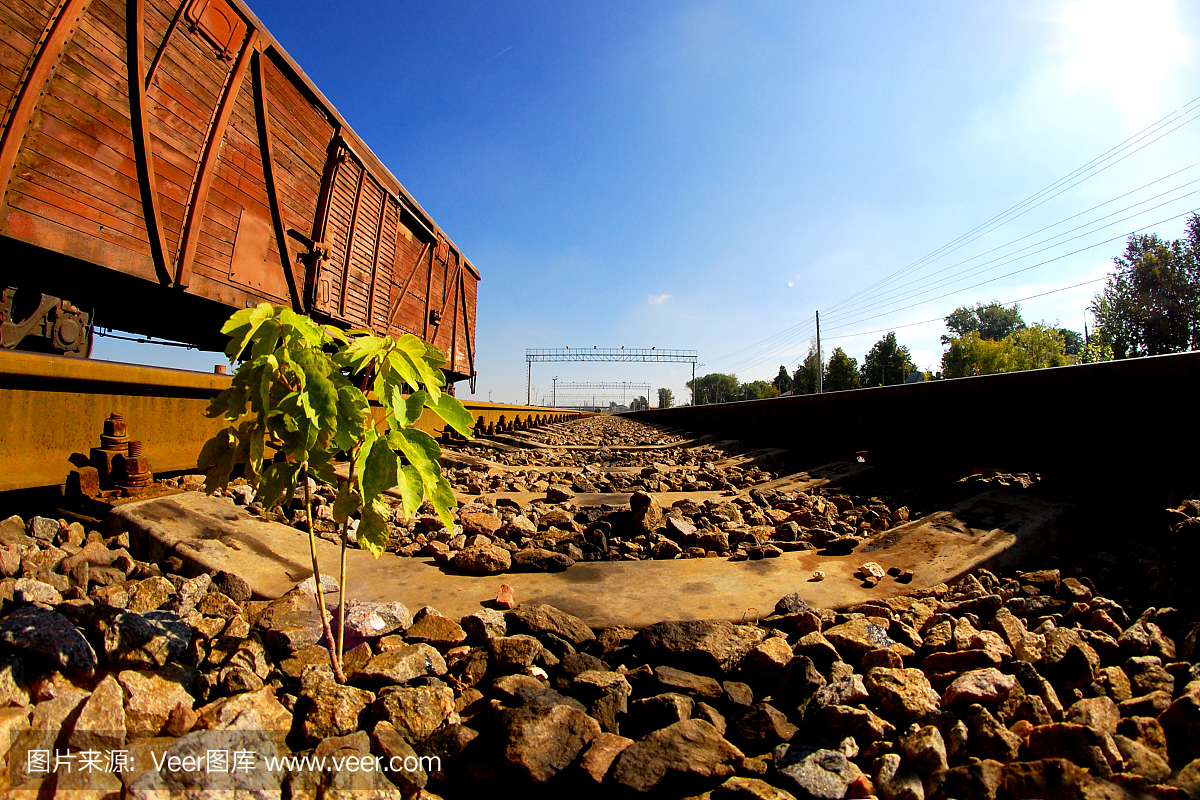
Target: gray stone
column 536, row 559
column 369, row 620
column 191, row 592
column 538, row 619
column 896, row 781
column 484, row 624
column 820, row 774
column 31, row 590
column 150, row 700
column 51, row 635
column 327, row 707
column 415, row 711
column 679, row 758
column 904, row 694
column 698, row 645
column 402, row 664
column 101, row 722
column 541, row 740
column 513, row 653
column 43, row 528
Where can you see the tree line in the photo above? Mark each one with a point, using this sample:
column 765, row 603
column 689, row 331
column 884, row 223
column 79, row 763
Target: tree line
column 1149, row 305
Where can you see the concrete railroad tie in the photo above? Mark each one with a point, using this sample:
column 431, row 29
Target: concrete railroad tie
column 992, row 529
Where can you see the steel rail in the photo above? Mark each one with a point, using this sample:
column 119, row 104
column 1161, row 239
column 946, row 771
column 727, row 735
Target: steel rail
column 54, row 407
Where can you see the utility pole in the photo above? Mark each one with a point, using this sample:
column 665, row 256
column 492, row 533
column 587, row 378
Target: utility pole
column 820, row 363
column 554, row 392
column 693, row 383
column 528, row 383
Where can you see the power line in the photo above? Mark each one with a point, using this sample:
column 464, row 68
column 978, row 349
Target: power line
column 915, row 290
column 977, row 285
column 858, row 304
column 943, row 319
column 1017, row 271
column 1010, row 214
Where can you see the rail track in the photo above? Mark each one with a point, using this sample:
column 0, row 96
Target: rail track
column 54, row 409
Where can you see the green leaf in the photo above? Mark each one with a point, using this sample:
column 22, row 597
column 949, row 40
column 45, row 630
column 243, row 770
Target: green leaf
column 403, row 364
column 423, row 452
column 379, row 469
column 372, row 527
column 266, row 339
column 347, row 502
column 454, row 413
column 278, row 484
column 241, row 327
column 413, row 405
column 216, row 459
column 360, row 352
column 411, row 489
column 231, row 403
column 320, row 395
column 414, row 351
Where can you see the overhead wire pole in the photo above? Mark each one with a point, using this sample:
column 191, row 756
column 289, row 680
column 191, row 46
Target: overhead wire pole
column 820, row 363
column 653, row 355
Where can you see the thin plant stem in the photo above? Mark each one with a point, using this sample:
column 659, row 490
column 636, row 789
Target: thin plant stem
column 341, row 635
column 334, row 656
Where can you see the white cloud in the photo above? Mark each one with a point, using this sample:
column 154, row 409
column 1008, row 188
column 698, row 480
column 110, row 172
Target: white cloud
column 658, row 299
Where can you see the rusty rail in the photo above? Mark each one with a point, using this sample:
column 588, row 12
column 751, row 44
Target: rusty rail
column 54, row 407
column 1091, row 426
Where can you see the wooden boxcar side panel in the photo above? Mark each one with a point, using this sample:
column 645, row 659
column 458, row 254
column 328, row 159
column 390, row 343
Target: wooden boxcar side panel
column 300, row 137
column 212, row 115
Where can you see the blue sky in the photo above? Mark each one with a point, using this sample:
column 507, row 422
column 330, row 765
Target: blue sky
column 706, row 175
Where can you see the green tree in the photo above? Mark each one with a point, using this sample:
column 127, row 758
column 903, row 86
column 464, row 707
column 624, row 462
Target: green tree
column 1072, row 340
column 888, row 363
column 715, row 387
column 1151, row 303
column 1035, row 347
column 842, row 372
column 639, row 403
column 971, row 354
column 1041, row 346
column 990, row 321
column 300, row 389
column 665, row 398
column 783, row 381
column 805, row 379
column 757, row 390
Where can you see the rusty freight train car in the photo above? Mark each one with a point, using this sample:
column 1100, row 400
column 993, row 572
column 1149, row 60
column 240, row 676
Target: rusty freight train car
column 165, row 161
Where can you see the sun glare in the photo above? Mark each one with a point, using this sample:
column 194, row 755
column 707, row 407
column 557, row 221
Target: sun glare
column 1122, row 45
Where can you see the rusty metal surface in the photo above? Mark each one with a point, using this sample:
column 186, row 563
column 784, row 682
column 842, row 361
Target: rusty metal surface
column 54, row 407
column 1127, row 421
column 58, row 120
